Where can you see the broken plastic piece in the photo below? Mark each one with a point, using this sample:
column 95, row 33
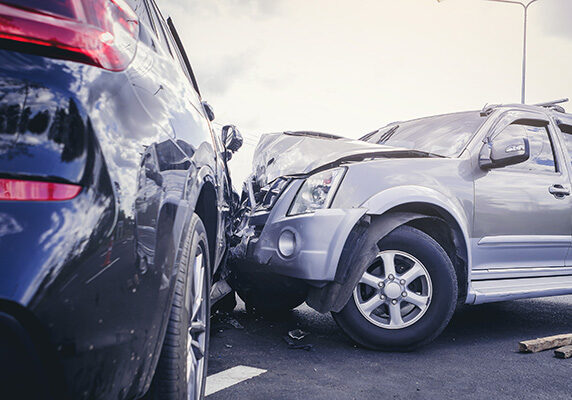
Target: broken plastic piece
column 294, row 346
column 298, row 334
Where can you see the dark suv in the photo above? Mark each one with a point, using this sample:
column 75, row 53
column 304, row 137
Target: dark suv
column 114, row 200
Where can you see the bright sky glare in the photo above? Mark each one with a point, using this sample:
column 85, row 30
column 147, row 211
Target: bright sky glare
column 349, row 67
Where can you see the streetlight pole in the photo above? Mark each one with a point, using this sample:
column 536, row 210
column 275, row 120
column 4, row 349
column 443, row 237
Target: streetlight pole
column 525, row 6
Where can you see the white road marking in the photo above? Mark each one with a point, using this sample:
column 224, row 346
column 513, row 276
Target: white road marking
column 230, row 377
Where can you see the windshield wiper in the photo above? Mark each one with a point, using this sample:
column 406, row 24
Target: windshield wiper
column 385, row 137
column 313, row 134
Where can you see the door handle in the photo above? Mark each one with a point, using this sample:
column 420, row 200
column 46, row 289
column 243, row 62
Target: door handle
column 559, row 191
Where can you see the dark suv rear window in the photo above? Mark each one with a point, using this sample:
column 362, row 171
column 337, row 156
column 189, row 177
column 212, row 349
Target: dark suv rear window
column 59, row 7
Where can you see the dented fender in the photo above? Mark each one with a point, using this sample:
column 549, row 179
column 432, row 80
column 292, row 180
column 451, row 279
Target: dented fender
column 355, row 259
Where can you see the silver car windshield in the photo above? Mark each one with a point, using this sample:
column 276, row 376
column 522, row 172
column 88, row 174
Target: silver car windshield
column 444, row 135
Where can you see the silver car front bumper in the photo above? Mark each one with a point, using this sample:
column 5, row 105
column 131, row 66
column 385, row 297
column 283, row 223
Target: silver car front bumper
column 316, row 239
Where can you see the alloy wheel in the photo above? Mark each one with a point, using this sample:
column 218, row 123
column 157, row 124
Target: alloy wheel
column 196, row 342
column 395, row 291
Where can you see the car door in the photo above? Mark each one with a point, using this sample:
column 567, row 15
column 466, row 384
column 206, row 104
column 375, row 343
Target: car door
column 522, row 211
column 564, row 126
column 199, row 136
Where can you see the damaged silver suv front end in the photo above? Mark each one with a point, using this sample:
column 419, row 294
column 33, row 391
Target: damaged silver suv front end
column 299, row 236
column 390, row 232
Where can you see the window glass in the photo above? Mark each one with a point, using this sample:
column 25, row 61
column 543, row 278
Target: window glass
column 139, row 7
column 169, row 155
column 146, row 32
column 445, row 135
column 567, row 135
column 541, row 154
column 64, row 8
column 160, row 27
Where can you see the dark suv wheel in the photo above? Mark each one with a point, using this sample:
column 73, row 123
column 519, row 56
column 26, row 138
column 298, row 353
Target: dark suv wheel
column 405, row 297
column 182, row 368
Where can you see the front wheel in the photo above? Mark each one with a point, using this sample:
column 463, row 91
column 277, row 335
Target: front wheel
column 406, row 296
column 181, row 371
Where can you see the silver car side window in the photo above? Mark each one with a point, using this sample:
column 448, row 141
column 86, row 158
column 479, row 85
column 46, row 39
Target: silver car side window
column 567, row 136
column 541, row 149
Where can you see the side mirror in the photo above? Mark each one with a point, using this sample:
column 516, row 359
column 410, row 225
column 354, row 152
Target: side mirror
column 208, row 110
column 500, row 153
column 231, row 138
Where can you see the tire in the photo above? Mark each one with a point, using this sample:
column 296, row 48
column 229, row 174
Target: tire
column 406, row 307
column 182, row 367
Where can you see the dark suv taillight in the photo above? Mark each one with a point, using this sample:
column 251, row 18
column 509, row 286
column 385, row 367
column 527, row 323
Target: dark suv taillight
column 98, row 32
column 23, row 190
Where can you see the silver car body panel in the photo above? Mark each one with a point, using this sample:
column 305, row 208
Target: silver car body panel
column 320, row 238
column 511, row 289
column 517, row 235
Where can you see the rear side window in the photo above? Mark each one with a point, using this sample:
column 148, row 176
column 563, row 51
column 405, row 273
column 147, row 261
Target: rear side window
column 541, row 152
column 160, row 27
column 59, row 7
column 147, row 34
column 567, row 136
column 140, row 9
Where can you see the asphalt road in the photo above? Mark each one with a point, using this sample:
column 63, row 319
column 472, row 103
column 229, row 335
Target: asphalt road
column 475, row 358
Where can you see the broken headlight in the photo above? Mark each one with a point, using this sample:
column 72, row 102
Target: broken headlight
column 270, row 193
column 317, row 191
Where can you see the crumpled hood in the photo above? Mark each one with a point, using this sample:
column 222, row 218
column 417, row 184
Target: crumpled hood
column 296, row 153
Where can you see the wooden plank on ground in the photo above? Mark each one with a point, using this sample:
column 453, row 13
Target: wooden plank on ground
column 546, row 343
column 563, row 352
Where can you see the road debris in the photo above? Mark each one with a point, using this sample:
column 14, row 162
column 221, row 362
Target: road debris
column 563, row 352
column 298, row 334
column 227, row 320
column 546, row 343
column 295, row 346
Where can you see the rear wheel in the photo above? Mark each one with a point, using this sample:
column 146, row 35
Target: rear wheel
column 182, row 367
column 405, row 297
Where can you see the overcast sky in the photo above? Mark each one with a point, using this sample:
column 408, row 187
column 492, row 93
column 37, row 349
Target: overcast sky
column 349, row 67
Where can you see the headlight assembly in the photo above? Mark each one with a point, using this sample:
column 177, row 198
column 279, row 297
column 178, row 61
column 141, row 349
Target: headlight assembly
column 317, row 191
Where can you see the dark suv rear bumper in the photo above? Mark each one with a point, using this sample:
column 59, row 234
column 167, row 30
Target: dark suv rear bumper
column 29, row 367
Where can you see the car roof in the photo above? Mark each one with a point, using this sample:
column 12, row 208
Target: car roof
column 552, row 108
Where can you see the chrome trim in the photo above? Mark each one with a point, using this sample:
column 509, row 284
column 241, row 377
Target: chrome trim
column 515, row 273
column 526, row 240
column 512, row 289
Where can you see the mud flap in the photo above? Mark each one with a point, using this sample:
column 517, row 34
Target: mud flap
column 356, row 258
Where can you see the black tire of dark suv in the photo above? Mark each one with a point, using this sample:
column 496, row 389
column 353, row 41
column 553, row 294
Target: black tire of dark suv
column 172, row 380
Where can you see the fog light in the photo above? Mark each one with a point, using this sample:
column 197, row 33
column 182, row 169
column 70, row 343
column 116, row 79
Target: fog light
column 287, row 243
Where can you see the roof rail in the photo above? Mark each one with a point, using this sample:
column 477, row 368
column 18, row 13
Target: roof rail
column 551, row 103
column 487, row 109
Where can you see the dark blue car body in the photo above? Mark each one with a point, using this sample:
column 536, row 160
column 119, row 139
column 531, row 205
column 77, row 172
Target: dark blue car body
column 86, row 284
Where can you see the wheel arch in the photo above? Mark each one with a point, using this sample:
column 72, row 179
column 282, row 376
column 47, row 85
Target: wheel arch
column 206, row 209
column 442, row 226
column 452, row 232
column 434, row 216
column 201, row 195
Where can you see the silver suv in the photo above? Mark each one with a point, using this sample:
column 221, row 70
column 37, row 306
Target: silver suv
column 392, row 231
